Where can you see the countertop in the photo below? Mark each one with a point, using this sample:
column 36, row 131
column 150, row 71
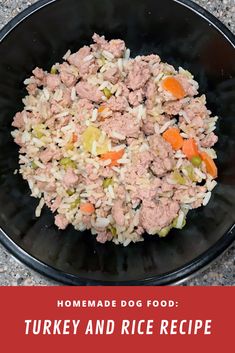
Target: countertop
column 221, row 272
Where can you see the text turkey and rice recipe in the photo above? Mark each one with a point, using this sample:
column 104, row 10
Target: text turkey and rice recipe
column 117, row 145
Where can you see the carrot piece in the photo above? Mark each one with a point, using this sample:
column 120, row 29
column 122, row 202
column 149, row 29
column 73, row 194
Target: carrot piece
column 101, row 108
column 74, row 137
column 172, row 135
column 190, row 148
column 114, row 156
column 100, row 111
column 87, row 208
column 172, row 85
column 114, row 163
column 210, row 164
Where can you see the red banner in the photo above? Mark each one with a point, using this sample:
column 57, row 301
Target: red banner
column 114, row 319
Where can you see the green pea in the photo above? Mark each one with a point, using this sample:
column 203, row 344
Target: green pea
column 196, row 161
column 107, row 92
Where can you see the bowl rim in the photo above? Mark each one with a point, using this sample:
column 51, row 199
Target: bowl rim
column 175, row 277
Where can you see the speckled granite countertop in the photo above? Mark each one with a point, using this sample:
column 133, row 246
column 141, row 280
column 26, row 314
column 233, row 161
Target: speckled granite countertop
column 221, row 272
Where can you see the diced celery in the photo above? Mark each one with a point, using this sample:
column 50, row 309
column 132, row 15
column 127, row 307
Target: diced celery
column 113, row 230
column 107, row 92
column 190, row 172
column 67, row 163
column 179, row 178
column 70, row 192
column 34, row 165
column 38, row 130
column 103, row 60
column 164, row 231
column 54, row 70
column 75, row 204
column 174, row 224
column 90, row 135
column 107, row 182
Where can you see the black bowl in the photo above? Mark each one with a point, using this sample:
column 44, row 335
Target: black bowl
column 183, row 34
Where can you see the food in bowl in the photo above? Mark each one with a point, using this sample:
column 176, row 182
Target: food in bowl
column 117, row 145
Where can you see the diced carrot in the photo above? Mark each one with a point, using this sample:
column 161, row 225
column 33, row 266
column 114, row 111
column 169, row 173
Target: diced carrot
column 74, row 137
column 210, row 164
column 114, row 163
column 172, row 135
column 114, row 156
column 87, row 208
column 101, row 108
column 172, row 85
column 190, row 148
